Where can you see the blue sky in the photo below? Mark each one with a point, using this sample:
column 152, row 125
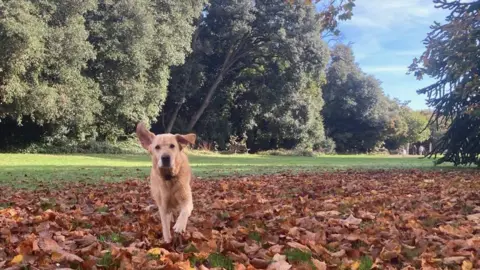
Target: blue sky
column 386, row 36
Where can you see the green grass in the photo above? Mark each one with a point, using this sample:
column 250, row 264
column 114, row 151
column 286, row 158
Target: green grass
column 107, row 261
column 219, row 260
column 366, row 263
column 33, row 170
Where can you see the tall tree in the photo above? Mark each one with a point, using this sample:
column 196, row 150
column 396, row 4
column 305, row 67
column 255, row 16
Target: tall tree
column 410, row 127
column 355, row 107
column 452, row 57
column 253, row 63
column 232, row 30
column 136, row 41
column 90, row 67
column 43, row 52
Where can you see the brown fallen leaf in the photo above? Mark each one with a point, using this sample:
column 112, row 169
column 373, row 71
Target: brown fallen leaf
column 252, row 249
column 453, row 260
column 85, row 241
column 259, row 263
column 454, row 231
column 325, row 214
column 338, row 254
column 260, row 215
column 184, row 265
column 48, row 245
column 319, row 265
column 198, row 236
column 17, row 259
column 355, row 265
column 366, row 215
column 238, row 266
column 298, row 246
column 474, row 217
column 62, row 255
column 467, row 265
column 353, row 237
column 351, row 220
column 275, row 249
column 279, row 262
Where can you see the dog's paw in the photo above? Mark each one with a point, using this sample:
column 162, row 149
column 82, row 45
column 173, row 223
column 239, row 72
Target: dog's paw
column 167, row 239
column 179, row 227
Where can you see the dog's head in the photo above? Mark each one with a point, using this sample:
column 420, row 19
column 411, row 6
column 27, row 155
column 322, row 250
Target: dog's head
column 165, row 149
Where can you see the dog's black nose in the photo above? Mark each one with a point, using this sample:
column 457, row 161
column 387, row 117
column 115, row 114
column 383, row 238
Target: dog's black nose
column 165, row 161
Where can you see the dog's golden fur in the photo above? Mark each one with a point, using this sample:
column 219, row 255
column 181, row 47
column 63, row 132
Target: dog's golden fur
column 169, row 185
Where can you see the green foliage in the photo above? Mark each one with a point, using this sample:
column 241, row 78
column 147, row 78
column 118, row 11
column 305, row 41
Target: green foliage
column 76, row 72
column 90, row 68
column 406, row 126
column 355, row 111
column 452, row 58
column 288, row 152
column 43, row 53
column 256, row 72
column 68, row 146
column 417, row 126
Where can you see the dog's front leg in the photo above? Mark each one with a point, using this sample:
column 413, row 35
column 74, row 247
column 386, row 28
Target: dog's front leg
column 165, row 217
column 181, row 224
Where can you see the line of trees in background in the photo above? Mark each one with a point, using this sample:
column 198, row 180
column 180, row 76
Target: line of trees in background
column 255, row 72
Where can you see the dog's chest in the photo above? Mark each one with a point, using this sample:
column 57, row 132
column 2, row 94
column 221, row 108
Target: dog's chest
column 171, row 194
column 172, row 202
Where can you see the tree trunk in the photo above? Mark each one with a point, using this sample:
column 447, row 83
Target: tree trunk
column 180, row 104
column 205, row 103
column 174, row 116
column 227, row 63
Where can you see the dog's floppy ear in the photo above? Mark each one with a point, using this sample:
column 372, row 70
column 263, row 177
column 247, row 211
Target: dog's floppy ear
column 144, row 135
column 184, row 140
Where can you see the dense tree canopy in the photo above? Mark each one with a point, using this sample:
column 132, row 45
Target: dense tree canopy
column 452, row 58
column 354, row 112
column 406, row 126
column 43, row 52
column 258, row 72
column 90, row 67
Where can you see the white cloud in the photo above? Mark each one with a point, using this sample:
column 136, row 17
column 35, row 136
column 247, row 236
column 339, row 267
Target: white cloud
column 412, row 53
column 386, row 36
column 388, row 68
column 386, row 14
column 366, row 45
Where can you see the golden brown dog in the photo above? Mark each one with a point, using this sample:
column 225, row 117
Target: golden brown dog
column 170, row 177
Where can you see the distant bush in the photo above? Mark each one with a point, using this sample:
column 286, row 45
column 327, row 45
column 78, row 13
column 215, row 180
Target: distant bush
column 65, row 146
column 327, row 146
column 201, row 152
column 285, row 152
column 237, row 145
column 380, row 151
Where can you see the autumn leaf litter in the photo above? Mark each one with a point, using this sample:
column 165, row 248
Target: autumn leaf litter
column 334, row 220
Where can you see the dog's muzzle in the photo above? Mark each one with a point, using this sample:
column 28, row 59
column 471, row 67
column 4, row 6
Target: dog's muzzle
column 166, row 161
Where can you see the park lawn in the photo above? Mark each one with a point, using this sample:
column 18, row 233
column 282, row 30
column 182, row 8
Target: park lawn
column 32, row 170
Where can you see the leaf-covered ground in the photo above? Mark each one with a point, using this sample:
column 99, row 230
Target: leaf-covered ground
column 348, row 220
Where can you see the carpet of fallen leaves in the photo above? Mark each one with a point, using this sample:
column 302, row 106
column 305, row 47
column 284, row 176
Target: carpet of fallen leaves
column 332, row 220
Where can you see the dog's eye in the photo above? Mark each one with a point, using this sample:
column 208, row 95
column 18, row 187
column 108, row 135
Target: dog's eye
column 157, row 147
column 172, row 146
